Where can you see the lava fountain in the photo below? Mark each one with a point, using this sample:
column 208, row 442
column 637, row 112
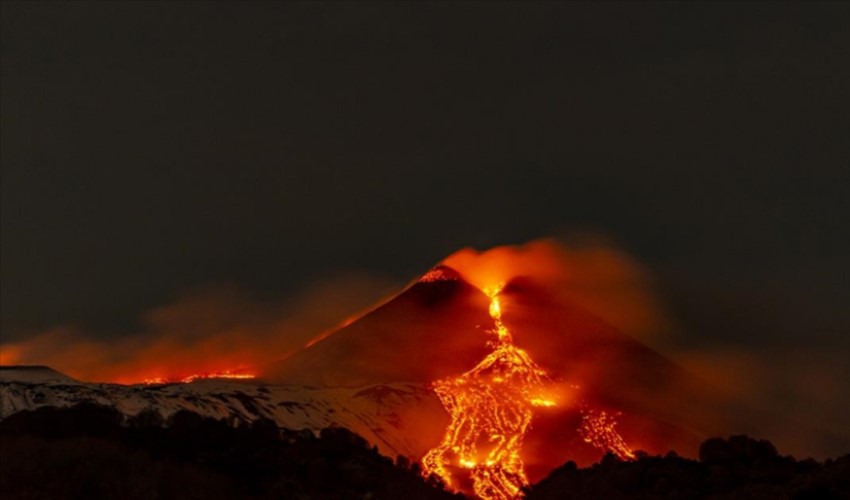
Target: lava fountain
column 491, row 407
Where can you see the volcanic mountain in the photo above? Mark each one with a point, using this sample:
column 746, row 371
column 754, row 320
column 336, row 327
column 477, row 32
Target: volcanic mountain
column 506, row 381
column 439, row 327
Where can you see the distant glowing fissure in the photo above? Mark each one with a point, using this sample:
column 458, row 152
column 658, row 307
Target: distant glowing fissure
column 228, row 374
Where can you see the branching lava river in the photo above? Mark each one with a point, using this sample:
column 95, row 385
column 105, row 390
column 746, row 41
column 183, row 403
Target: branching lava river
column 491, row 407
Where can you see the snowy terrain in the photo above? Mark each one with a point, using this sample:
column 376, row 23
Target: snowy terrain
column 383, row 414
column 33, row 374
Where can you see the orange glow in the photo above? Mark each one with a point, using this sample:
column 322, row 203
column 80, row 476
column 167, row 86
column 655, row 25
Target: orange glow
column 588, row 271
column 491, row 408
column 501, row 264
column 599, row 429
column 204, row 330
column 10, row 354
column 228, row 374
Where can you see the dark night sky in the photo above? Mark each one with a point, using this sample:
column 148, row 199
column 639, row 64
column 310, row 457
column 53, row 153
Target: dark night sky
column 148, row 148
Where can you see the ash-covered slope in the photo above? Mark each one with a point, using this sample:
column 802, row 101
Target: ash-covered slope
column 384, row 415
column 433, row 329
column 659, row 405
column 438, row 327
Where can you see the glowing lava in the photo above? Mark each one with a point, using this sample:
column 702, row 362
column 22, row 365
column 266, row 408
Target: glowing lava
column 491, row 407
column 229, row 374
column 599, row 429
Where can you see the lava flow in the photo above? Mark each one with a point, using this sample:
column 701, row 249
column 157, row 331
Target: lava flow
column 599, row 429
column 228, row 374
column 491, row 407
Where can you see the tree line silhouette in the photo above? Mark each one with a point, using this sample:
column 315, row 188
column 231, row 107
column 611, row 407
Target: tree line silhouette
column 90, row 451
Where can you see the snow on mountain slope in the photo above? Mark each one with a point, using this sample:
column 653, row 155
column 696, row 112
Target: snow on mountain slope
column 33, row 374
column 382, row 414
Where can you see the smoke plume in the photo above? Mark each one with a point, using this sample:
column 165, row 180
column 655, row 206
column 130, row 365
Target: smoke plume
column 588, row 271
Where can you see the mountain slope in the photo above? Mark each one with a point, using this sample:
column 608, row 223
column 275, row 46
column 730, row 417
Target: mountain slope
column 33, row 374
column 440, row 327
column 433, row 329
column 374, row 374
column 382, row 414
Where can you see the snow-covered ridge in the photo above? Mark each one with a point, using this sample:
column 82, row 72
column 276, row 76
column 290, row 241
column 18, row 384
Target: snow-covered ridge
column 379, row 413
column 33, row 374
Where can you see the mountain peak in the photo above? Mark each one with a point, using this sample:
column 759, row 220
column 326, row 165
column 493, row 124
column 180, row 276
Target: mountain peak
column 440, row 272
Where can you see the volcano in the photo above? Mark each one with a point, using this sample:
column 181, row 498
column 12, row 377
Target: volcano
column 439, row 327
column 489, row 386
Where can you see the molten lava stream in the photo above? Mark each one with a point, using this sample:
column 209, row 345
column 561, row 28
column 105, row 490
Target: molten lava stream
column 227, row 374
column 491, row 407
column 599, row 429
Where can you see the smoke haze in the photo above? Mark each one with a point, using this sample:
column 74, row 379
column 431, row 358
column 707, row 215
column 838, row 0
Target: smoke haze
column 206, row 330
column 793, row 391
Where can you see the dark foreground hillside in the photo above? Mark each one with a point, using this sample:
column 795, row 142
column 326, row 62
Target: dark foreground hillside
column 91, row 452
column 737, row 468
column 86, row 452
